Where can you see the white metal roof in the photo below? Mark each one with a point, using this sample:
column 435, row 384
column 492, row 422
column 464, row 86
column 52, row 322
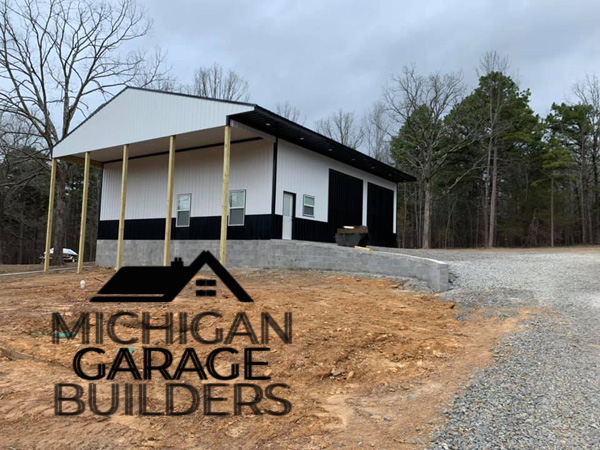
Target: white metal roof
column 136, row 115
column 145, row 118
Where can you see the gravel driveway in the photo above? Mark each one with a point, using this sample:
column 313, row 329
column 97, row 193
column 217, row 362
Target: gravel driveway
column 543, row 390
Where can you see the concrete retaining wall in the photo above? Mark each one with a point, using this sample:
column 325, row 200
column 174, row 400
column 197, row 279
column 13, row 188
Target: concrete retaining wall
column 279, row 254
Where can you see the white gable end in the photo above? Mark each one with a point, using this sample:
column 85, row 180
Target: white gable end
column 137, row 115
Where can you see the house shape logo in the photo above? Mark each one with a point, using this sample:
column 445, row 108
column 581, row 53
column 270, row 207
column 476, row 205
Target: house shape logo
column 135, row 284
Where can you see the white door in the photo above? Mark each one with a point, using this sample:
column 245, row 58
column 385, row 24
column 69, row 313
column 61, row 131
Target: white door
column 288, row 213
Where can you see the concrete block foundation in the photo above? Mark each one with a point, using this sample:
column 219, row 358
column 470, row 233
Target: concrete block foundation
column 280, row 254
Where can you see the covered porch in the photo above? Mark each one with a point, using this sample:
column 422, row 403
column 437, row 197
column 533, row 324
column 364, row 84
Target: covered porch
column 170, row 145
column 164, row 124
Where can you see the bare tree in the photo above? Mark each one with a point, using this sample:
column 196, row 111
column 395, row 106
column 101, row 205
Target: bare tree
column 376, row 129
column 154, row 72
column 587, row 92
column 215, row 82
column 492, row 63
column 418, row 104
column 342, row 127
column 289, row 112
column 56, row 57
column 20, row 185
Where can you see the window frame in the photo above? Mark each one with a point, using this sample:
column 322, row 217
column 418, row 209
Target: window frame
column 177, row 211
column 229, row 208
column 304, row 205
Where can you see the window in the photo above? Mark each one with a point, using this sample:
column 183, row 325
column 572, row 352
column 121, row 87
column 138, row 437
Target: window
column 184, row 210
column 308, row 206
column 237, row 207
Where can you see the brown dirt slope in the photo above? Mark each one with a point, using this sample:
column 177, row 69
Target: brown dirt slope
column 370, row 365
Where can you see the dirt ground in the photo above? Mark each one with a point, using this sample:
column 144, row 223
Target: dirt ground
column 371, row 364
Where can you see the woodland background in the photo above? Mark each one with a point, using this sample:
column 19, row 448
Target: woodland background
column 490, row 171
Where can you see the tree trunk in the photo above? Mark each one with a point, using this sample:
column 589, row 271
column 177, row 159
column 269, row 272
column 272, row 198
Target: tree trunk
column 574, row 194
column 448, row 222
column 582, row 215
column 60, row 204
column 584, row 194
column 595, row 198
column 418, row 215
column 493, row 200
column 427, row 215
column 21, row 236
column 533, row 231
column 404, row 218
column 589, row 216
column 475, row 235
column 552, row 212
column 486, row 202
column 399, row 243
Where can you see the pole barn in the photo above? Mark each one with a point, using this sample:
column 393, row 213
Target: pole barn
column 184, row 168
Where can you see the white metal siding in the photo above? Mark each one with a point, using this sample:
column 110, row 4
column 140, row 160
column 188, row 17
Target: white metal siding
column 136, row 116
column 302, row 171
column 199, row 172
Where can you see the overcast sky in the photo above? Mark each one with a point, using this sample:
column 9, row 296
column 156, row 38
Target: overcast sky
column 323, row 55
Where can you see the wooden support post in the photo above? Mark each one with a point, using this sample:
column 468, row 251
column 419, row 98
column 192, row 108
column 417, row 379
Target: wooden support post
column 122, row 211
column 84, row 203
column 169, row 212
column 50, row 215
column 225, row 203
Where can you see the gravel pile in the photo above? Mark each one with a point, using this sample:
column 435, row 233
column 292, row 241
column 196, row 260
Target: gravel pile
column 543, row 390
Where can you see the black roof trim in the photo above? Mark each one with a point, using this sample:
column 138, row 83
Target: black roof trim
column 305, row 137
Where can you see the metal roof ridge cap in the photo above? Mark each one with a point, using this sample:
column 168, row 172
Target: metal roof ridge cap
column 183, row 94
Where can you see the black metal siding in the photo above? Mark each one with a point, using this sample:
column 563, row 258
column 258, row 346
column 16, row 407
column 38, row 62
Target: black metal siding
column 345, row 200
column 380, row 215
column 256, row 227
column 311, row 230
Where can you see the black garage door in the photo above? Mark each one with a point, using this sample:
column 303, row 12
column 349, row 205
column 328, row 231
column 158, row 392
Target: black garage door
column 380, row 215
column 345, row 200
